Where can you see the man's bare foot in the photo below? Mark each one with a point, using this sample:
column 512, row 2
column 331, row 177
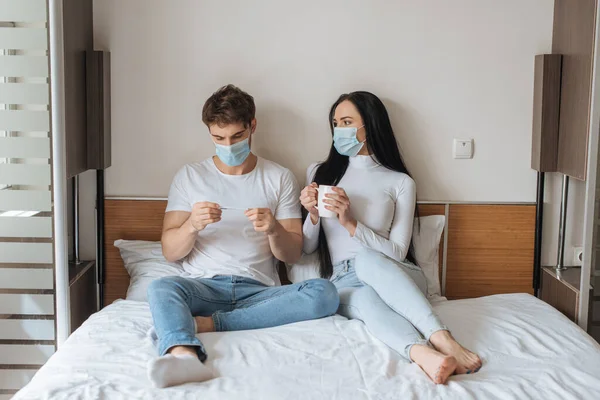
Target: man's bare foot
column 468, row 362
column 436, row 365
column 204, row 324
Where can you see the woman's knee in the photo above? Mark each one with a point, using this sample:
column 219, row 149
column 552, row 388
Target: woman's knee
column 368, row 261
column 325, row 297
column 367, row 301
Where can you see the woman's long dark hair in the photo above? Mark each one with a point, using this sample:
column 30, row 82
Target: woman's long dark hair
column 382, row 143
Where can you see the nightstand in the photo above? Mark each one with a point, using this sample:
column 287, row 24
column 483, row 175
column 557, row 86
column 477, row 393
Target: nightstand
column 562, row 291
column 83, row 292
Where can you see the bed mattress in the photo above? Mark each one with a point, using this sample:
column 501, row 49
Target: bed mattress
column 529, row 351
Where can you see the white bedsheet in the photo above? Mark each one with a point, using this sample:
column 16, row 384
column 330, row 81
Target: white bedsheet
column 529, row 351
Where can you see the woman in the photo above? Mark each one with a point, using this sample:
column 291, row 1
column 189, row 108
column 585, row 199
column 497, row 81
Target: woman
column 367, row 250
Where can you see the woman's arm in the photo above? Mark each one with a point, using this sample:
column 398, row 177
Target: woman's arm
column 398, row 244
column 312, row 224
column 310, row 231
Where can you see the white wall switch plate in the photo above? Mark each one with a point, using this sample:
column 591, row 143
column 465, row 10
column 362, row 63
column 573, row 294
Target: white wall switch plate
column 462, row 149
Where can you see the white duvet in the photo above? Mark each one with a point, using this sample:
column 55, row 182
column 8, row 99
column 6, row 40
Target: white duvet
column 529, row 350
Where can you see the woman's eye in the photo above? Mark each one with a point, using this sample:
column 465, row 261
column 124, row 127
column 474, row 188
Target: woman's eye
column 334, row 124
column 347, row 123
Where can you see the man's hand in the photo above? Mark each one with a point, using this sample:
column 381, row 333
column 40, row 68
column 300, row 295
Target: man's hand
column 203, row 214
column 262, row 219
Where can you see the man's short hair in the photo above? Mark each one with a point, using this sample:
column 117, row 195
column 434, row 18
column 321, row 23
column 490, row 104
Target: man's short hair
column 229, row 105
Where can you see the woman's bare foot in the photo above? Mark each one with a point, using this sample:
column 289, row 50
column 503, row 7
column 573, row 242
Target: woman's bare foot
column 468, row 362
column 204, row 324
column 436, row 365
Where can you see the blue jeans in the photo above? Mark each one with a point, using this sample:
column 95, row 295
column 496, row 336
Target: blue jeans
column 389, row 297
column 235, row 303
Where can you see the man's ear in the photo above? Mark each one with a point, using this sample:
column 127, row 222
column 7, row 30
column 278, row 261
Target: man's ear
column 253, row 126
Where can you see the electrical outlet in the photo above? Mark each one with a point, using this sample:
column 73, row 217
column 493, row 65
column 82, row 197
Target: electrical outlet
column 463, row 148
column 578, row 256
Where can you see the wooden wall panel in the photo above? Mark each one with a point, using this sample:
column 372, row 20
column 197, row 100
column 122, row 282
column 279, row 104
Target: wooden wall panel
column 142, row 220
column 573, row 37
column 431, row 209
column 490, row 247
column 129, row 220
column 490, row 250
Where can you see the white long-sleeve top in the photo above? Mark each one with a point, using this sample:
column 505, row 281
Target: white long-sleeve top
column 382, row 202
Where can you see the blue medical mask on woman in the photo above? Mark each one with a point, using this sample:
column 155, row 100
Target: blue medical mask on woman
column 345, row 141
column 235, row 154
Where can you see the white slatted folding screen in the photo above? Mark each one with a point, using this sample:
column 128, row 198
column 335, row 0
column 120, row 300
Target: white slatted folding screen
column 27, row 287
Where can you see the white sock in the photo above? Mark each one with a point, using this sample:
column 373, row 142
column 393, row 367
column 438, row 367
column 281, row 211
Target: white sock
column 170, row 370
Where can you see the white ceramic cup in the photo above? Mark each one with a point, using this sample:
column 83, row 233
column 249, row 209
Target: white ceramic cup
column 323, row 212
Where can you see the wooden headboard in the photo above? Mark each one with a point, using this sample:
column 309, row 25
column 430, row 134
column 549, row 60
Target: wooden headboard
column 486, row 248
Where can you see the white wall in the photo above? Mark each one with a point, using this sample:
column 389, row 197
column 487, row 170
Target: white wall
column 444, row 69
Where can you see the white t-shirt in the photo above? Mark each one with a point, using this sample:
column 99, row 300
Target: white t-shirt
column 232, row 246
column 383, row 203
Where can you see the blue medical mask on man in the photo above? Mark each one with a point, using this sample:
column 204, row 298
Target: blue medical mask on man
column 235, row 154
column 345, row 141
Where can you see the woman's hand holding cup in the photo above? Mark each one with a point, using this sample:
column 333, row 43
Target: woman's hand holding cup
column 308, row 199
column 339, row 203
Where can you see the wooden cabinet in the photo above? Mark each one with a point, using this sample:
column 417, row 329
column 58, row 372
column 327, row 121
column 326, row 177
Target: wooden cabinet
column 573, row 38
column 78, row 39
column 561, row 291
column 83, row 292
column 546, row 111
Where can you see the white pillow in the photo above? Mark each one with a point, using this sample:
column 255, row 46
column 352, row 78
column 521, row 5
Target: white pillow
column 427, row 250
column 426, row 241
column 306, row 268
column 144, row 262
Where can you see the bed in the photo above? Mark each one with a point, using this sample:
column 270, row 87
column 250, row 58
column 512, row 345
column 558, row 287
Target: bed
column 529, row 349
column 333, row 358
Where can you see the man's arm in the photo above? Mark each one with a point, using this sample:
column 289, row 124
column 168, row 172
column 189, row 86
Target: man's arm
column 286, row 240
column 285, row 236
column 180, row 229
column 178, row 235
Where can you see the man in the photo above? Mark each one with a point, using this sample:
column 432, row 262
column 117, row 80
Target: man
column 228, row 217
